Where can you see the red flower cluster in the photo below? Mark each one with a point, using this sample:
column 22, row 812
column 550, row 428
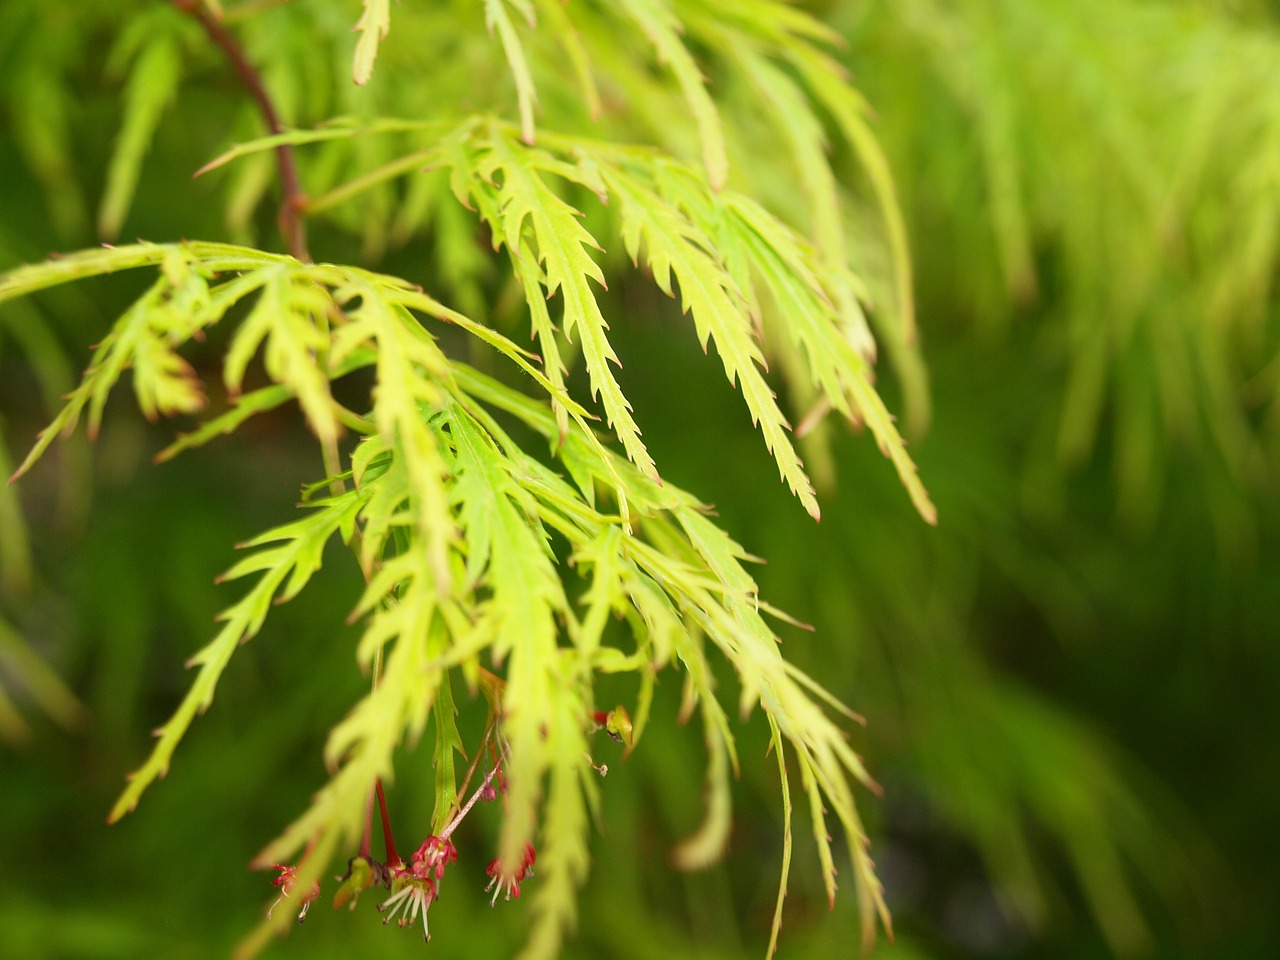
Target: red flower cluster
column 434, row 855
column 415, row 885
column 288, row 877
column 509, row 883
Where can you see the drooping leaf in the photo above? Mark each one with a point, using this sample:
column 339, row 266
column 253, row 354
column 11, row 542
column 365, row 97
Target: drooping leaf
column 373, row 26
column 497, row 18
column 153, row 84
column 708, row 292
column 660, row 25
column 561, row 243
column 296, row 556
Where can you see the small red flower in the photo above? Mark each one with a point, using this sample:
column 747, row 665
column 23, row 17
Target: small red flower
column 410, row 895
column 288, row 877
column 509, row 884
column 415, row 886
column 432, row 857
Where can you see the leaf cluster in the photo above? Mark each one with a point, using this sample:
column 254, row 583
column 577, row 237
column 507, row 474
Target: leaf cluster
column 458, row 530
column 1110, row 165
column 1092, row 183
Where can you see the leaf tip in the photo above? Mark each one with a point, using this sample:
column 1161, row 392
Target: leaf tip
column 928, row 512
column 119, row 812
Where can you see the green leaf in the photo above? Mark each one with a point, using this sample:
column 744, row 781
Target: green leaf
column 244, row 406
column 409, row 364
column 661, row 26
column 496, row 17
column 849, row 111
column 561, row 241
column 601, row 555
column 675, row 245
column 291, row 317
column 554, row 13
column 297, row 556
column 706, row 845
column 153, row 85
column 39, row 682
column 15, row 544
column 835, row 366
column 448, row 742
column 806, row 141
column 373, row 26
column 775, row 740
column 563, row 858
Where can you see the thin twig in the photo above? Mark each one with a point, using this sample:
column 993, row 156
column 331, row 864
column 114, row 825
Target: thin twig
column 293, row 200
column 393, row 856
column 475, row 762
column 457, row 818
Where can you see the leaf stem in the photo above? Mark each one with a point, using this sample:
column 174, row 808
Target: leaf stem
column 458, row 817
column 366, row 181
column 293, row 200
column 393, row 858
column 366, row 841
column 475, row 761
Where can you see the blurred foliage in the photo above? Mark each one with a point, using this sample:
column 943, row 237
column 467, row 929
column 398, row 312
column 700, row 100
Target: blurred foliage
column 1068, row 683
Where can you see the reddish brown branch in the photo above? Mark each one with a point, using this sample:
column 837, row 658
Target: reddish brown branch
column 393, row 857
column 293, row 200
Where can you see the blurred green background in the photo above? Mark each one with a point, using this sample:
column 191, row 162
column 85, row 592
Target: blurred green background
column 1070, row 684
